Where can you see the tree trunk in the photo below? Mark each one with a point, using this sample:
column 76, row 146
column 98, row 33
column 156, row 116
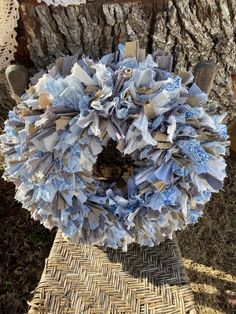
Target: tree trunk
column 6, row 102
column 190, row 30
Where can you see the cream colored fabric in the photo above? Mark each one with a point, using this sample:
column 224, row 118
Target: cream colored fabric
column 9, row 14
column 62, row 2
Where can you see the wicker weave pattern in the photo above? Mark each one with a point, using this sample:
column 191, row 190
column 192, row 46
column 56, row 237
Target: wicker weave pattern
column 84, row 279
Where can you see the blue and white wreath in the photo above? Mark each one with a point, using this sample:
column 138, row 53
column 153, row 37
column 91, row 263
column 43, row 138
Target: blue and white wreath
column 76, row 115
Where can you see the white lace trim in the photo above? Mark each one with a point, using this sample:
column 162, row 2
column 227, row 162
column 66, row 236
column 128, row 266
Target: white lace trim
column 9, row 14
column 63, row 2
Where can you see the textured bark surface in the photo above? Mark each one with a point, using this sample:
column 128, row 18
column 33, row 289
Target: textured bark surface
column 191, row 30
column 199, row 29
column 86, row 29
column 6, row 102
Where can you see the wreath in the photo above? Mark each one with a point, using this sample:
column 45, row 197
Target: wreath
column 114, row 151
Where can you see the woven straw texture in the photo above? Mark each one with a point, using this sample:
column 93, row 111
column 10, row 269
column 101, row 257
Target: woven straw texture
column 85, row 279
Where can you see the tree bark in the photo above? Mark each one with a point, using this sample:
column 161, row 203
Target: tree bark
column 191, row 30
column 6, row 102
column 199, row 29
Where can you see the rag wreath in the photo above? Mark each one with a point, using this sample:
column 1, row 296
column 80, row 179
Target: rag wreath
column 115, row 151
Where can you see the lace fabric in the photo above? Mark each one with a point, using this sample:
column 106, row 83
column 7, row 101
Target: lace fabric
column 62, row 2
column 9, row 14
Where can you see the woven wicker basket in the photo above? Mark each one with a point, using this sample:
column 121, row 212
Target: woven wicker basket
column 85, row 279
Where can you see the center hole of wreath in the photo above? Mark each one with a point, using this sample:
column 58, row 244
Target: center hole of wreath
column 112, row 167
